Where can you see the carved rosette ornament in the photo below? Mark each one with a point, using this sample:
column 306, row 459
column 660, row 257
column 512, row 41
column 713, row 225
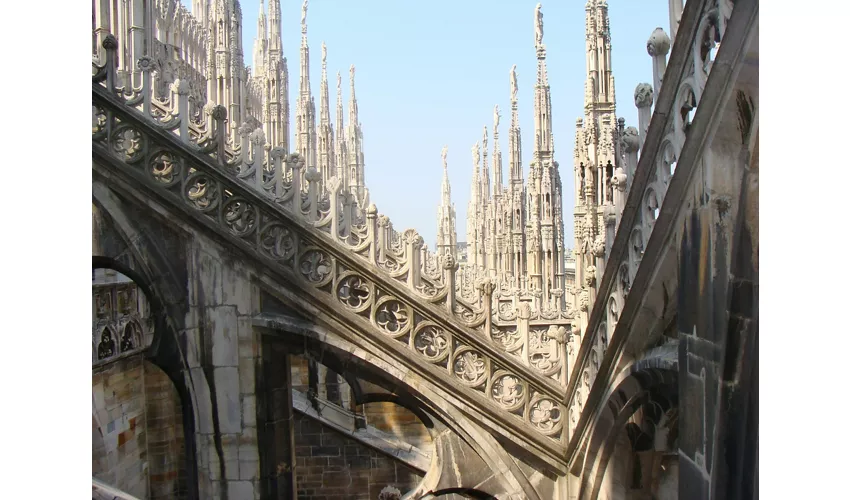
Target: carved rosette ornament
column 277, row 242
column 165, row 168
column 392, row 316
column 127, row 143
column 508, row 391
column 470, row 367
column 432, row 342
column 146, row 63
column 545, row 414
column 354, row 292
column 315, row 266
column 202, row 192
column 239, row 216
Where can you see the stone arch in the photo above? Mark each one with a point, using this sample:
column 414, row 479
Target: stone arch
column 642, row 382
column 400, row 401
column 122, row 243
column 306, row 337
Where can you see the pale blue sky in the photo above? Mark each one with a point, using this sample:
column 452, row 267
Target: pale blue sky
column 429, row 73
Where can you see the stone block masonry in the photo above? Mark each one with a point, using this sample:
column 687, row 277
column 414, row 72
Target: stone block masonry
column 137, row 430
column 330, row 466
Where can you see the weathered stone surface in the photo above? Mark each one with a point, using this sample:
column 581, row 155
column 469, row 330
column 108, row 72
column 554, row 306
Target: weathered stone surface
column 229, row 407
column 222, row 325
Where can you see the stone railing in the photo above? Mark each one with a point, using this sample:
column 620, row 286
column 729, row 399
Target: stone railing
column 134, row 22
column 102, row 491
column 661, row 140
column 355, row 267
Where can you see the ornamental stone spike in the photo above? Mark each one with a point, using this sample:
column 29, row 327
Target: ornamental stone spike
column 643, row 101
column 657, row 47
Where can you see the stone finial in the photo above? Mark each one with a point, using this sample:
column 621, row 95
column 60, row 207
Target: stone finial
column 557, row 333
column 658, row 43
column 449, row 262
column 371, row 210
column 258, row 137
column 584, row 299
column 631, row 139
column 219, row 112
column 486, row 286
column 180, row 87
column 312, row 175
column 643, row 95
column 609, row 214
column 412, row 236
column 245, row 129
column 590, row 275
column 296, row 160
column 334, row 184
column 110, row 42
column 277, row 152
column 389, row 493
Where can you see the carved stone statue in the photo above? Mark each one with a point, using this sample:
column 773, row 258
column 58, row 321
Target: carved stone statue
column 496, row 118
column 324, row 54
column 538, row 25
column 351, row 74
column 513, row 83
column 304, row 14
column 338, row 82
column 444, row 154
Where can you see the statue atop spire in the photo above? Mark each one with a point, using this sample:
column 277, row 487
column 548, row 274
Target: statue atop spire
column 496, row 118
column 351, row 75
column 304, row 17
column 444, row 154
column 324, row 55
column 513, row 83
column 338, row 84
column 538, row 25
column 476, row 154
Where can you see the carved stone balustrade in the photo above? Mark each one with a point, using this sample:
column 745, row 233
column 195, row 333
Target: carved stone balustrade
column 368, row 276
column 662, row 144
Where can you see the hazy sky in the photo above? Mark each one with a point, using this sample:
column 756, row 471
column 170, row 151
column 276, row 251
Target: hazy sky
column 429, row 73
